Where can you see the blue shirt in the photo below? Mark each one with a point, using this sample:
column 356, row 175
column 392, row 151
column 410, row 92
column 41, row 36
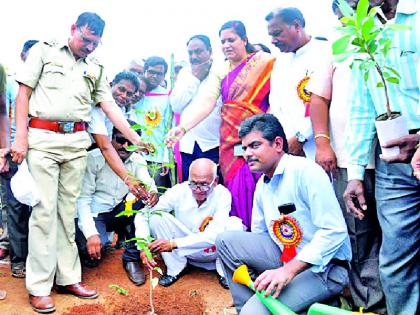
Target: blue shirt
column 368, row 101
column 304, row 183
column 152, row 113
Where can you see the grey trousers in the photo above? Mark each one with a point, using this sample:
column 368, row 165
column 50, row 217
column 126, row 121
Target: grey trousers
column 260, row 253
column 365, row 236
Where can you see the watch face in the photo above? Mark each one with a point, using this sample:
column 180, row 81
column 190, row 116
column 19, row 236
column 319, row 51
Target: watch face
column 300, row 137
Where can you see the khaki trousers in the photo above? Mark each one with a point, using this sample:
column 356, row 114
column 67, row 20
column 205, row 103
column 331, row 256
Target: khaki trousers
column 52, row 250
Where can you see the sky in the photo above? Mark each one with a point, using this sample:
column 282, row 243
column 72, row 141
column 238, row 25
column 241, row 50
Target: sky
column 139, row 29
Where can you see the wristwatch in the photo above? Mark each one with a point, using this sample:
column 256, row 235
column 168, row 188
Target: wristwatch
column 300, row 137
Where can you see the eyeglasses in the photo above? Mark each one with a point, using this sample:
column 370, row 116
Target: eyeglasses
column 204, row 187
column 155, row 73
column 121, row 140
column 87, row 41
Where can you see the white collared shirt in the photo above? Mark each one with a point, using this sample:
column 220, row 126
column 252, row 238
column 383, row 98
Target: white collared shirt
column 180, row 199
column 207, row 132
column 102, row 189
column 305, row 184
column 289, row 69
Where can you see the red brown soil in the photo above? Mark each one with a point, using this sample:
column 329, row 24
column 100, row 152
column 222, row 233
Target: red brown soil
column 196, row 293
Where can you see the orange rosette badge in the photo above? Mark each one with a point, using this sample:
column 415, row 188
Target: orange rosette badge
column 286, row 231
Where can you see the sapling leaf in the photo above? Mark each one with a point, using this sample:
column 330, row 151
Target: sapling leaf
column 394, row 80
column 340, row 45
column 395, row 72
column 362, row 11
column 159, row 270
column 367, row 27
column 379, row 84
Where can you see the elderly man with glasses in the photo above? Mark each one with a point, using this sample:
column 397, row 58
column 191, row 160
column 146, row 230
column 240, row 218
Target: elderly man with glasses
column 201, row 211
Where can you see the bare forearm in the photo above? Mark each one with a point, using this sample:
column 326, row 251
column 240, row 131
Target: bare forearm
column 22, row 110
column 120, row 122
column 319, row 114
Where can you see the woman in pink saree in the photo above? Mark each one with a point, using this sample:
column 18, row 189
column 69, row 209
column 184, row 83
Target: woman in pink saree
column 244, row 84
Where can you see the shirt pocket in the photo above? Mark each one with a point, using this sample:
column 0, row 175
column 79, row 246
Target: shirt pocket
column 53, row 76
column 408, row 64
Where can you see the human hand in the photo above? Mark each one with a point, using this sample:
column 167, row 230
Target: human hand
column 152, row 200
column 407, row 146
column 146, row 148
column 354, row 197
column 93, row 245
column 273, row 281
column 200, row 71
column 415, row 164
column 295, row 147
column 174, row 135
column 159, row 246
column 19, row 149
column 149, row 264
column 136, row 188
column 4, row 164
column 325, row 156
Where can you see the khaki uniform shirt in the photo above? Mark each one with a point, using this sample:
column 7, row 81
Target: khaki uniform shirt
column 64, row 89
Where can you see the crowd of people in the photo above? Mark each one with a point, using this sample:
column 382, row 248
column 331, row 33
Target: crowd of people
column 279, row 167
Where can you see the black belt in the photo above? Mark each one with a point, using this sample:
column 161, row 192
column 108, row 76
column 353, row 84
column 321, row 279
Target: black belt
column 342, row 263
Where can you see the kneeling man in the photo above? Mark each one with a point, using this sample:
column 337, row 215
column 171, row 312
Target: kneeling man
column 102, row 198
column 298, row 248
column 201, row 209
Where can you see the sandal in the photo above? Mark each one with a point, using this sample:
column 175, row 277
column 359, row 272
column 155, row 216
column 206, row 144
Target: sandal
column 19, row 270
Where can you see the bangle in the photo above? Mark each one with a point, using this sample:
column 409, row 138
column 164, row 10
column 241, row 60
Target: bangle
column 126, row 178
column 322, row 135
column 172, row 244
column 183, row 129
column 417, row 146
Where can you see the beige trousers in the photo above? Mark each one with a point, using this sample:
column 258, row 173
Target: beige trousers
column 52, row 251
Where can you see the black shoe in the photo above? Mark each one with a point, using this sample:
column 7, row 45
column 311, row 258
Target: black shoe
column 223, row 282
column 167, row 280
column 134, row 272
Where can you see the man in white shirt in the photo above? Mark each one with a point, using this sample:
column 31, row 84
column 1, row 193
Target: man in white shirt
column 201, row 209
column 300, row 56
column 203, row 140
column 102, row 198
column 298, row 245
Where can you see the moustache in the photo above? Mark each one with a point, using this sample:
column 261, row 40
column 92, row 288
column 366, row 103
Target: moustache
column 249, row 160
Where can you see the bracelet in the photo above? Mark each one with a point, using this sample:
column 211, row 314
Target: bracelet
column 126, row 178
column 417, row 146
column 322, row 135
column 183, row 129
column 172, row 244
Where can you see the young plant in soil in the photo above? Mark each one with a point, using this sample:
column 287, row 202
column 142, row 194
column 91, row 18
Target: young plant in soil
column 369, row 44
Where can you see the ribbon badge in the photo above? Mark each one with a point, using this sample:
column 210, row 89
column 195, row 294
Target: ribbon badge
column 286, row 231
column 303, row 94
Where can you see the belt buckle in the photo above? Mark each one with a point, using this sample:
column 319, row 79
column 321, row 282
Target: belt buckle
column 66, row 126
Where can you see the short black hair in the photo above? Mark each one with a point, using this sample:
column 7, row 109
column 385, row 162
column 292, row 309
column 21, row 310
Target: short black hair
column 205, row 39
column 239, row 28
column 267, row 124
column 127, row 75
column 264, row 48
column 155, row 61
column 131, row 123
column 287, row 15
column 93, row 21
column 28, row 45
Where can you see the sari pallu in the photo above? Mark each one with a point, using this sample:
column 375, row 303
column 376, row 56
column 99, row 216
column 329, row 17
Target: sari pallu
column 245, row 93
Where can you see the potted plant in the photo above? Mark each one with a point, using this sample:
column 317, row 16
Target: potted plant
column 368, row 43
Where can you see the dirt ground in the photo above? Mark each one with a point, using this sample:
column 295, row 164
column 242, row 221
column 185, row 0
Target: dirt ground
column 196, row 293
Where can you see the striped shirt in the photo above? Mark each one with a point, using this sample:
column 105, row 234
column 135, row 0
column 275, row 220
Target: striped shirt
column 368, row 101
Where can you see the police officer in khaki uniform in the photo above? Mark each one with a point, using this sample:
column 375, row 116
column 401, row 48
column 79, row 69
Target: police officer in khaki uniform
column 58, row 86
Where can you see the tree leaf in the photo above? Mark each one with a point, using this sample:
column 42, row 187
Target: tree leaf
column 367, row 27
column 398, row 27
column 361, row 11
column 341, row 44
column 394, row 80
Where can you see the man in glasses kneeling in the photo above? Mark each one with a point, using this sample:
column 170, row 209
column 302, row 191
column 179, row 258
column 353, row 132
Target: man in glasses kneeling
column 201, row 211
